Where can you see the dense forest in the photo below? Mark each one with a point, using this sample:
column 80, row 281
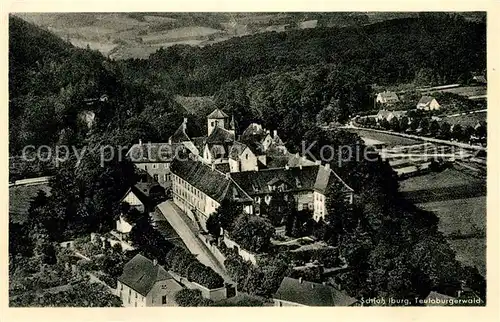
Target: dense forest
column 52, row 83
column 439, row 48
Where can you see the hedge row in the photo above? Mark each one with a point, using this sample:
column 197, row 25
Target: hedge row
column 185, row 264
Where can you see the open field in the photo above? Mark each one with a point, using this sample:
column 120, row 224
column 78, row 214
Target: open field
column 20, row 198
column 389, row 139
column 179, row 34
column 459, row 200
column 461, row 216
column 448, row 178
column 466, row 91
column 470, row 119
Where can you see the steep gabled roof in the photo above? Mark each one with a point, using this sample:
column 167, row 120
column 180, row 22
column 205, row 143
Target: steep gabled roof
column 258, row 182
column 199, row 142
column 210, row 181
column 217, row 114
column 389, row 96
column 236, row 150
column 277, row 140
column 253, row 129
column 311, row 294
column 326, row 177
column 383, row 113
column 399, row 114
column 425, row 100
column 219, row 136
column 141, row 274
column 180, row 135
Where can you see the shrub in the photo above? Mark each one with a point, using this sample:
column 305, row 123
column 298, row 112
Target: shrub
column 253, row 233
column 188, row 297
column 185, row 264
column 205, row 276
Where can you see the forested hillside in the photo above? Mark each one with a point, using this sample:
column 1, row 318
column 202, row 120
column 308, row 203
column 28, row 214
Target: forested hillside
column 51, row 83
column 431, row 48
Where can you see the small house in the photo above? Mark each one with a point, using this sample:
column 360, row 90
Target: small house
column 387, row 98
column 428, row 103
column 145, row 283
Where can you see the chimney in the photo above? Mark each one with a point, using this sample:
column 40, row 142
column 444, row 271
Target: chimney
column 327, row 166
column 300, row 280
column 213, row 166
column 297, row 154
column 275, row 134
column 184, row 123
column 300, row 166
column 287, row 167
column 140, row 142
column 228, row 176
column 155, row 262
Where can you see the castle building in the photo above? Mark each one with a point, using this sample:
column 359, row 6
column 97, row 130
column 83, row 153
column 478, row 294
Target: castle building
column 247, row 169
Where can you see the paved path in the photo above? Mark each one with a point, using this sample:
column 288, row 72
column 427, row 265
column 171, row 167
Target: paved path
column 177, row 220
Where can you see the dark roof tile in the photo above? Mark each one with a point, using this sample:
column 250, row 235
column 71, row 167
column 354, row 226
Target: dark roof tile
column 210, row 181
column 180, row 135
column 312, row 294
column 141, row 274
column 220, row 135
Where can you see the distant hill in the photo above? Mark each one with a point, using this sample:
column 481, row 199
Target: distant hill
column 428, row 49
column 138, row 34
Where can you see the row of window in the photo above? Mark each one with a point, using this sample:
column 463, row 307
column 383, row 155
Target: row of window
column 157, row 165
column 188, row 192
column 165, row 177
column 137, row 296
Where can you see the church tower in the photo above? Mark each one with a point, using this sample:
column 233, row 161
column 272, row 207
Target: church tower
column 216, row 118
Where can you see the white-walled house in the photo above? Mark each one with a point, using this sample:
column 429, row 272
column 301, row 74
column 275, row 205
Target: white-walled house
column 307, row 184
column 145, row 283
column 428, row 103
column 387, row 98
column 198, row 189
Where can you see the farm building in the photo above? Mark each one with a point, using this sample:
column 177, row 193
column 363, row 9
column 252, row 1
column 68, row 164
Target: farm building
column 428, row 103
column 387, row 98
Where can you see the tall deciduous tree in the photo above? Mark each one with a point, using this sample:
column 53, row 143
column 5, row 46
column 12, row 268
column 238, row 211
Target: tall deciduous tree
column 252, row 233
